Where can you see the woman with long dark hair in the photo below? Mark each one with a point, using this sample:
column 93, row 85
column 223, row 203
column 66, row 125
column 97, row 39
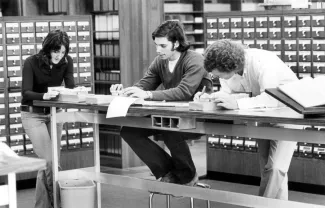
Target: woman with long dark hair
column 49, row 68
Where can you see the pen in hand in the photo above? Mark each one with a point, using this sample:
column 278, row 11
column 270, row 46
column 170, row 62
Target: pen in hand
column 203, row 91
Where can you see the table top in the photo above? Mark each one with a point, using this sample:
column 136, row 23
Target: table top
column 21, row 164
column 278, row 115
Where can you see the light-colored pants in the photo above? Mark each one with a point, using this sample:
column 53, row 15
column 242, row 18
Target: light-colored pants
column 38, row 128
column 275, row 158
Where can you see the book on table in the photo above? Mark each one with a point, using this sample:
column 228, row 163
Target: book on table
column 306, row 96
column 308, row 92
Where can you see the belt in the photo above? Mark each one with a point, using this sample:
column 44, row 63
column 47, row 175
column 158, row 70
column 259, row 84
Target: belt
column 35, row 109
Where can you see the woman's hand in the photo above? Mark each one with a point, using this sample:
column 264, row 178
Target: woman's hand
column 50, row 95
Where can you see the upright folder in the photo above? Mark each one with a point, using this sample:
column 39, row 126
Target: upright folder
column 308, row 111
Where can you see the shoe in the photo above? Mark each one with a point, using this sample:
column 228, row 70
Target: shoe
column 193, row 182
column 169, row 178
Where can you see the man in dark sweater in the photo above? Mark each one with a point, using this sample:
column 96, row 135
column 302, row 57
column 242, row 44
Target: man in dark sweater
column 181, row 73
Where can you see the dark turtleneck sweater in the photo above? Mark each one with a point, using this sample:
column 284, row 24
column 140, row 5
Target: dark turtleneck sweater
column 38, row 76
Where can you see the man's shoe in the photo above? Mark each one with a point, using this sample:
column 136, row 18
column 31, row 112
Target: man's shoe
column 193, row 182
column 169, row 178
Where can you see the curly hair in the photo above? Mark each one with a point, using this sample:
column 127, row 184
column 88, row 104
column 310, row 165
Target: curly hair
column 53, row 42
column 225, row 56
column 173, row 30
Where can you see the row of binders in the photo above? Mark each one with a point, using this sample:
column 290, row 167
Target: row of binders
column 106, row 5
column 102, row 89
column 113, row 75
column 107, row 64
column 107, row 50
column 110, row 144
column 106, row 27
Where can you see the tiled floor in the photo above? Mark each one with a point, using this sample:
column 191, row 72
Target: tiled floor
column 116, row 197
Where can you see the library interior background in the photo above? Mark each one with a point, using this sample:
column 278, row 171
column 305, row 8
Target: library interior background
column 110, row 43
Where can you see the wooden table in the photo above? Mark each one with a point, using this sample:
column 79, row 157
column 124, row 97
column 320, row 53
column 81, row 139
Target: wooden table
column 246, row 123
column 10, row 167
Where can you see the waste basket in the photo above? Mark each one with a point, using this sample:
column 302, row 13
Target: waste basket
column 77, row 193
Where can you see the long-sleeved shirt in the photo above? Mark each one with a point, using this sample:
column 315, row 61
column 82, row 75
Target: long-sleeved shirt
column 188, row 77
column 263, row 69
column 38, row 76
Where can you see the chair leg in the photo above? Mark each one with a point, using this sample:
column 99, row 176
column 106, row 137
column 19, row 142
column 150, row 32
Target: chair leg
column 201, row 185
column 151, row 200
column 208, row 204
column 192, row 202
column 168, row 201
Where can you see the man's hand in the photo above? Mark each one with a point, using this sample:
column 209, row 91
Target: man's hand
column 227, row 102
column 222, row 98
column 219, row 94
column 115, row 89
column 135, row 92
column 201, row 96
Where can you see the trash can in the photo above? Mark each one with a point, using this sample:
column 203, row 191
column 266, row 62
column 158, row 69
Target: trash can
column 77, row 193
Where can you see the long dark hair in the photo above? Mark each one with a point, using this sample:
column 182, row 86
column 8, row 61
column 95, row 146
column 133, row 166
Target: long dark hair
column 173, row 30
column 53, row 42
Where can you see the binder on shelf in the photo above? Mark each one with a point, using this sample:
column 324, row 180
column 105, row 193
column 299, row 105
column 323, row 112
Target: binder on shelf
column 96, row 5
column 56, row 5
column 50, row 5
column 115, row 5
column 107, row 5
column 309, row 111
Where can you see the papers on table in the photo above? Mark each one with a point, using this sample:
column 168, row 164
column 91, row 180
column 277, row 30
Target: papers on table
column 308, row 92
column 92, row 99
column 77, row 94
column 6, row 153
column 165, row 104
column 120, row 106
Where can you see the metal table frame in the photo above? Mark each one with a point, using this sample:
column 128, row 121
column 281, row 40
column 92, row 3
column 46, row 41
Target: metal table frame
column 204, row 122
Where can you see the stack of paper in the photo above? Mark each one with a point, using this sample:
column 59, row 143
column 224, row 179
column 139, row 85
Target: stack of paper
column 70, row 95
column 165, row 104
column 92, row 99
column 308, row 92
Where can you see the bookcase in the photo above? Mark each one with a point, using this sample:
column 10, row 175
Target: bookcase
column 298, row 38
column 190, row 13
column 105, row 16
column 21, row 37
column 106, row 45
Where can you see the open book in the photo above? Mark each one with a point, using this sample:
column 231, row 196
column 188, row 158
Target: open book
column 308, row 92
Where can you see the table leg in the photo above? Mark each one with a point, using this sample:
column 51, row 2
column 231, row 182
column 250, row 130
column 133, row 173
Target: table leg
column 55, row 158
column 97, row 161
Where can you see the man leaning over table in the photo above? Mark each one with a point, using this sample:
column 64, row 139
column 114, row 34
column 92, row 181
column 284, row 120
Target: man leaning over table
column 181, row 73
column 242, row 69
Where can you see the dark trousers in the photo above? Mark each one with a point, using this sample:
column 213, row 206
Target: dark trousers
column 179, row 162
